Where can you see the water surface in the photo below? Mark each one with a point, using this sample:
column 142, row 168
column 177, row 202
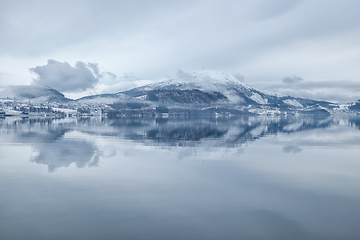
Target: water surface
column 243, row 178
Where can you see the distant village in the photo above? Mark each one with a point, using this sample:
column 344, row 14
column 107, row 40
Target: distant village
column 27, row 108
column 10, row 107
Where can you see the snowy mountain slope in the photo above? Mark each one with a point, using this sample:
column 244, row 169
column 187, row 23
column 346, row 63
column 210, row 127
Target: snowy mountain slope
column 33, row 92
column 203, row 82
column 104, row 98
column 355, row 106
column 192, row 87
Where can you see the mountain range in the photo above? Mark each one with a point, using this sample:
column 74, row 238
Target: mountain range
column 199, row 91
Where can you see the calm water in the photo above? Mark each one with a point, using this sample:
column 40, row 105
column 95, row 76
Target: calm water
column 246, row 178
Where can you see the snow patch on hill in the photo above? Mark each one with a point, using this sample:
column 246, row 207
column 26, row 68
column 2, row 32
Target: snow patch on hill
column 257, row 98
column 293, row 103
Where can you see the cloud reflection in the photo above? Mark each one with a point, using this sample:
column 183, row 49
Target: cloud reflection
column 47, row 138
column 64, row 152
column 227, row 133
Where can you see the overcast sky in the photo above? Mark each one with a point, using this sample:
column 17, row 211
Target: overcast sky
column 307, row 48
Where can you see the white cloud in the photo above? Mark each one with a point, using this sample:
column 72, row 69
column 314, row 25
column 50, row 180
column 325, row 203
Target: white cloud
column 240, row 77
column 292, row 79
column 66, row 78
column 102, row 88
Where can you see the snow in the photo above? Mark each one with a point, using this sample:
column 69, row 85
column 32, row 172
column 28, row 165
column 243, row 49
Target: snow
column 293, row 103
column 12, row 112
column 205, row 80
column 65, row 110
column 216, row 78
column 233, row 98
column 344, row 106
column 142, row 97
column 257, row 98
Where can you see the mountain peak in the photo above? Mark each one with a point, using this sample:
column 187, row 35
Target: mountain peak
column 207, row 78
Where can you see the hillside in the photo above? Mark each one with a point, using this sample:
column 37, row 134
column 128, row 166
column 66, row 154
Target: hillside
column 35, row 93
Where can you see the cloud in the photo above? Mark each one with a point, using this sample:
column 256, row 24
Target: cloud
column 183, row 75
column 129, row 77
column 239, row 77
column 95, row 69
column 292, row 79
column 110, row 83
column 65, row 78
column 341, row 90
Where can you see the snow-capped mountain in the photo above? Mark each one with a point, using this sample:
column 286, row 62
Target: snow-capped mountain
column 198, row 87
column 355, row 106
column 35, row 93
column 216, row 87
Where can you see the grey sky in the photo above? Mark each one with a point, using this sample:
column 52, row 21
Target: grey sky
column 262, row 40
column 292, row 79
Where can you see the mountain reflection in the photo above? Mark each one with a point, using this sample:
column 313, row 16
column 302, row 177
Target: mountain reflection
column 355, row 122
column 222, row 132
column 185, row 133
column 47, row 137
column 292, row 149
column 50, row 139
